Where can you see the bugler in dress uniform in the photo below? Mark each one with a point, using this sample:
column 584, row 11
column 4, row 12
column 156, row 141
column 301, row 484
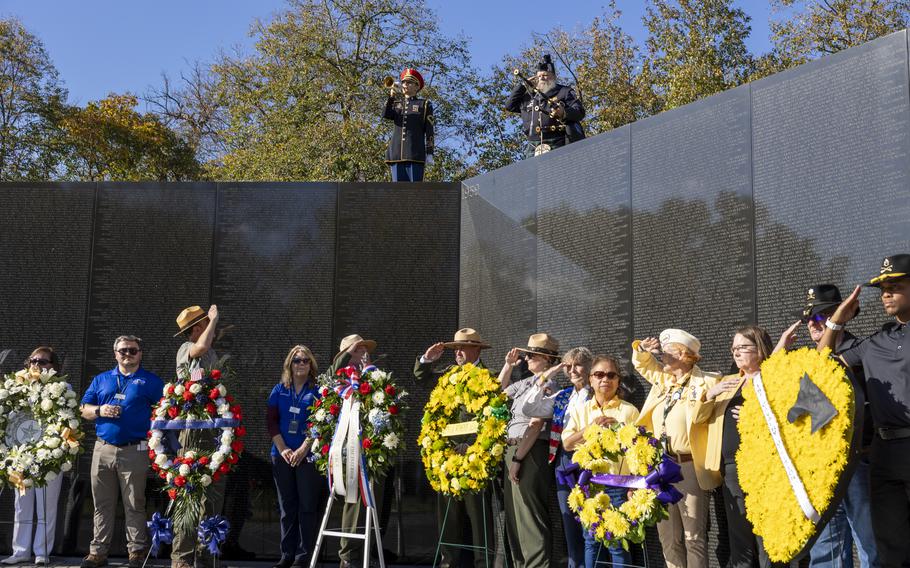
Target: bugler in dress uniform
column 550, row 112
column 413, row 137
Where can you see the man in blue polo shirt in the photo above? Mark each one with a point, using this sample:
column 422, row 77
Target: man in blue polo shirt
column 120, row 401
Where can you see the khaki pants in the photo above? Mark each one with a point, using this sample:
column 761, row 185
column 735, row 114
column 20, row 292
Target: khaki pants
column 527, row 510
column 350, row 514
column 683, row 536
column 184, row 546
column 119, row 471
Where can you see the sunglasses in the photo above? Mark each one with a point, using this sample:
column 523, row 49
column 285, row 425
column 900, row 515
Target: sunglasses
column 608, row 374
column 299, row 361
column 128, row 350
column 39, row 361
column 817, row 318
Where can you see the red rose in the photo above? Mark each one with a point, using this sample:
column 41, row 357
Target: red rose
column 240, row 431
column 238, row 416
column 339, row 372
column 170, row 390
column 318, row 403
column 229, row 399
column 393, row 409
column 334, row 409
column 187, row 395
column 390, row 390
column 172, row 493
column 224, row 468
column 179, row 481
column 216, row 374
column 233, row 458
column 365, row 388
column 210, row 408
column 367, row 443
column 237, row 446
column 325, row 449
column 204, row 460
column 172, row 412
column 214, row 393
column 155, row 467
column 152, row 455
column 162, row 474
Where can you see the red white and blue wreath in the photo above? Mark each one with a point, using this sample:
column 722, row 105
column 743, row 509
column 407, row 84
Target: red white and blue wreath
column 199, row 402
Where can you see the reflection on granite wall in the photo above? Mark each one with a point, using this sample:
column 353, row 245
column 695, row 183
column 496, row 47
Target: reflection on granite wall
column 706, row 217
column 286, row 263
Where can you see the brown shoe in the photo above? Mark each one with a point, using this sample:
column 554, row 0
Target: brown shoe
column 137, row 559
column 93, row 561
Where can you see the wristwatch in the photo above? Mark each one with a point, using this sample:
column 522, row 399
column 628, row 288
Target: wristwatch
column 517, row 459
column 835, row 326
column 98, row 411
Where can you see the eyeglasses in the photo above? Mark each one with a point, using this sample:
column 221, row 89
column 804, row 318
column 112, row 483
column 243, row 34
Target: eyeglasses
column 299, row 361
column 743, row 349
column 39, row 361
column 128, row 350
column 605, row 374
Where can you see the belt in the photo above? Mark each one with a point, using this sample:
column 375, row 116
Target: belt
column 516, row 441
column 680, row 458
column 123, row 445
column 893, row 433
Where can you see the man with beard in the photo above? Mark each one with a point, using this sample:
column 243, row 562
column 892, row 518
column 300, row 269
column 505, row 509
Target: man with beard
column 467, row 345
column 550, row 112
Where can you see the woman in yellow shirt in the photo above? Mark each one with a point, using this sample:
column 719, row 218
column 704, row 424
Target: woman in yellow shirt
column 604, row 408
column 677, row 382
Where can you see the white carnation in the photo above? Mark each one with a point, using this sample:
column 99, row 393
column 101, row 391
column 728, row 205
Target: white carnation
column 73, row 424
column 205, row 480
column 71, row 402
column 184, row 470
column 320, row 415
column 390, row 440
column 57, row 453
column 52, row 443
column 195, row 388
column 227, row 438
column 160, row 459
column 47, row 404
column 378, row 397
column 66, row 466
column 190, row 454
column 178, row 390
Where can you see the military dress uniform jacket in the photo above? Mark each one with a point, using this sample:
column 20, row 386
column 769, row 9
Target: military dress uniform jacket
column 414, row 134
column 537, row 124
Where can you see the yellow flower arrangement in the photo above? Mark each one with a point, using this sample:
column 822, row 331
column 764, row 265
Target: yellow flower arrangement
column 464, row 390
column 603, row 450
column 820, row 458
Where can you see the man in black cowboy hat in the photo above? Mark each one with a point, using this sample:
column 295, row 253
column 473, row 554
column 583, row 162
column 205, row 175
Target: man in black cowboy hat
column 885, row 359
column 467, row 345
column 834, row 545
column 550, row 113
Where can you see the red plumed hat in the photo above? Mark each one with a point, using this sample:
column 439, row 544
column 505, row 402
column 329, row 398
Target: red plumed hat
column 413, row 73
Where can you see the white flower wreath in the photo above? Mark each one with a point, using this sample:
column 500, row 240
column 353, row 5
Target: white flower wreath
column 40, row 430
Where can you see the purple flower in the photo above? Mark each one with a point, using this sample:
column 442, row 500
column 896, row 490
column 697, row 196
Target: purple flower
column 187, row 406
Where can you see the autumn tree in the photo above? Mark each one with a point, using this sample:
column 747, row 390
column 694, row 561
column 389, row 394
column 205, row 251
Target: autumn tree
column 31, row 97
column 307, row 103
column 696, row 48
column 109, row 140
column 807, row 29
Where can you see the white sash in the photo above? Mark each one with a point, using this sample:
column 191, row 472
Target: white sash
column 345, row 472
column 799, row 490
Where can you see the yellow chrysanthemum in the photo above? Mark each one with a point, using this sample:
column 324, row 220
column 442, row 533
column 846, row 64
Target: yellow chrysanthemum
column 627, row 434
column 576, row 499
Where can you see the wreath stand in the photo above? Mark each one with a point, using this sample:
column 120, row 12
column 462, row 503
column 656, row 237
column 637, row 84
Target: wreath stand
column 47, row 551
column 461, row 545
column 372, row 524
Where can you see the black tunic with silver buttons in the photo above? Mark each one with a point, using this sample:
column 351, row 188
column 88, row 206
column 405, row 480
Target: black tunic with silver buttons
column 413, row 137
column 536, row 123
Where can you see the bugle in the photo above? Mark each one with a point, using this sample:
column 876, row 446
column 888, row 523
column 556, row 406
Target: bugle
column 393, row 86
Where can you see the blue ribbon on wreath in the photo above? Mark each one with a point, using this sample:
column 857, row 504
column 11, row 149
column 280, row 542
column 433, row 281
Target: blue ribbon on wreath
column 162, row 530
column 213, row 532
column 193, row 424
column 659, row 480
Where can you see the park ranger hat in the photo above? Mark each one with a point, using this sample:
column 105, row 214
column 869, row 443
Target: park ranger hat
column 190, row 317
column 820, row 299
column 353, row 339
column 466, row 337
column 542, row 343
column 894, row 266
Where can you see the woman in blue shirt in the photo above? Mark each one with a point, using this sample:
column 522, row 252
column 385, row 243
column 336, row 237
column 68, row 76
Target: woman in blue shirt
column 301, row 489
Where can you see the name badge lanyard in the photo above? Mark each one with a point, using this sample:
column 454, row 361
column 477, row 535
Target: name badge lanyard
column 121, row 388
column 294, row 425
column 668, row 406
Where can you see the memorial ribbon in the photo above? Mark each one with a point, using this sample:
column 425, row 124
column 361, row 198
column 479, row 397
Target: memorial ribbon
column 660, row 480
column 213, row 532
column 193, row 424
column 162, row 532
column 345, row 469
column 799, row 490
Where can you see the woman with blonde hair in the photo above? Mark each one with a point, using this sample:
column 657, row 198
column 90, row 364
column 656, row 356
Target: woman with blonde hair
column 669, row 363
column 300, row 487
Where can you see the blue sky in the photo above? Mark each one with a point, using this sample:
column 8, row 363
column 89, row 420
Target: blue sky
column 103, row 46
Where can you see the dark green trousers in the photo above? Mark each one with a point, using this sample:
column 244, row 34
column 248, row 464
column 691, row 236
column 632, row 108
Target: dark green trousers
column 350, row 517
column 476, row 508
column 527, row 516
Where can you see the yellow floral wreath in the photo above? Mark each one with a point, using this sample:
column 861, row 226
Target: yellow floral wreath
column 820, row 458
column 473, row 389
column 602, row 448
